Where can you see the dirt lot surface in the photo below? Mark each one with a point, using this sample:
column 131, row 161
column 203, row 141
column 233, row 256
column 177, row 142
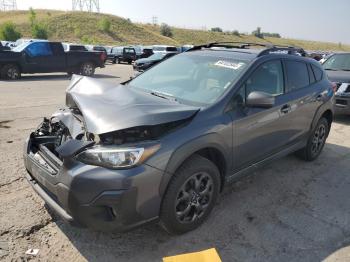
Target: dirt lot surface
column 289, row 211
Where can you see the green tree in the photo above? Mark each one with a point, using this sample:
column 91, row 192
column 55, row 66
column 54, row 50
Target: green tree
column 32, row 17
column 166, row 30
column 216, row 29
column 258, row 33
column 9, row 32
column 104, row 25
column 39, row 31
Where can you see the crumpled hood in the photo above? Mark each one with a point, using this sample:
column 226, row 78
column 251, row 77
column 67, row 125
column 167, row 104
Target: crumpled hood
column 339, row 76
column 106, row 107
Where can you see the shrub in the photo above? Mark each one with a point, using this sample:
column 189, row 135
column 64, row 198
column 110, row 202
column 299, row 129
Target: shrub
column 236, row 33
column 104, row 25
column 39, row 31
column 32, row 17
column 8, row 32
column 166, row 30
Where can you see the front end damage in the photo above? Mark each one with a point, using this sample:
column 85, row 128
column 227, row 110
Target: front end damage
column 100, row 196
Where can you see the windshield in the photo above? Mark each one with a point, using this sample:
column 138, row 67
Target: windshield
column 337, row 62
column 157, row 56
column 191, row 78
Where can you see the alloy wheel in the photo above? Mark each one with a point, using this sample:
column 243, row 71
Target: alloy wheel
column 318, row 139
column 194, row 197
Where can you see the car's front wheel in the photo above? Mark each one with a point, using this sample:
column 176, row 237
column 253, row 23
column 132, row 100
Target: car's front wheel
column 316, row 141
column 191, row 195
column 87, row 69
column 10, row 71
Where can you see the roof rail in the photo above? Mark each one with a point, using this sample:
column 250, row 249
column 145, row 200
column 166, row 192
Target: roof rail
column 270, row 48
column 280, row 49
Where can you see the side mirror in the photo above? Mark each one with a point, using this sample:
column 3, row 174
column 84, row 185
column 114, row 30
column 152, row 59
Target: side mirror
column 260, row 99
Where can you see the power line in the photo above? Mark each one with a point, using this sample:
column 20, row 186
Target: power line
column 86, row 5
column 8, row 5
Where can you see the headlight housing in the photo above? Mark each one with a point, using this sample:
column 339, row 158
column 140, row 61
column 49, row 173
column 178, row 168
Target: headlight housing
column 115, row 158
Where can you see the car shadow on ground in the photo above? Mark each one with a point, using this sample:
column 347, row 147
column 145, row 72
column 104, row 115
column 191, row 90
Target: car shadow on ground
column 290, row 210
column 342, row 119
column 56, row 77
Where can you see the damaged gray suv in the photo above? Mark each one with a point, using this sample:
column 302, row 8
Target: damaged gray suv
column 161, row 146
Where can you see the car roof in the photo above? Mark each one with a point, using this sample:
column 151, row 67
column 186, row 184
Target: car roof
column 234, row 53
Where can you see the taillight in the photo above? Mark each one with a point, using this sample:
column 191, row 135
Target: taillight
column 103, row 56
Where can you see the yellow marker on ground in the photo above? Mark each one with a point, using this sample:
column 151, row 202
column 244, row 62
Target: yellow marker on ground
column 209, row 255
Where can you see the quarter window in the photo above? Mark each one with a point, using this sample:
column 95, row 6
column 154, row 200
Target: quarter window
column 297, row 75
column 318, row 73
column 267, row 78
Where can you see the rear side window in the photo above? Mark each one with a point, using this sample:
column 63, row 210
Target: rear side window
column 171, row 49
column 297, row 75
column 317, row 72
column 39, row 49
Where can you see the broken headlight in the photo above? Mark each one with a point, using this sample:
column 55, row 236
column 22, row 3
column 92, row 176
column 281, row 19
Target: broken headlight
column 111, row 157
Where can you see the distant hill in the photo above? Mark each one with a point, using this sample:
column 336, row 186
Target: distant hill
column 83, row 27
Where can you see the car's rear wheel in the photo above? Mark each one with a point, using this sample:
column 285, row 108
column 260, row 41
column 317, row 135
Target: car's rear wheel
column 114, row 61
column 10, row 71
column 87, row 69
column 316, row 141
column 191, row 195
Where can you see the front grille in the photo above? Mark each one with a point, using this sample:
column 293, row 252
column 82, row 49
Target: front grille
column 341, row 102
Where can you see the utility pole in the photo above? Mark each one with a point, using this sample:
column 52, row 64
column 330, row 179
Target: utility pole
column 8, row 5
column 154, row 20
column 86, row 5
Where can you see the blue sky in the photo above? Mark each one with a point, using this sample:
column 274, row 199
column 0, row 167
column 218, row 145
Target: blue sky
column 323, row 20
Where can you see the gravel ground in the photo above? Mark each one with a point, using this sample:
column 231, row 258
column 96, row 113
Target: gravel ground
column 288, row 211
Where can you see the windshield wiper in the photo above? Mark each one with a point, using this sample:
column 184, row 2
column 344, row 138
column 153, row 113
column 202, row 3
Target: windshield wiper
column 163, row 95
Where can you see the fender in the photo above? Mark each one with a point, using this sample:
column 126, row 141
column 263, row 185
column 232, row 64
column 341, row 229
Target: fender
column 211, row 140
column 320, row 111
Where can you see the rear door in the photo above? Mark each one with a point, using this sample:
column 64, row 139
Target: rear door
column 58, row 59
column 304, row 96
column 260, row 132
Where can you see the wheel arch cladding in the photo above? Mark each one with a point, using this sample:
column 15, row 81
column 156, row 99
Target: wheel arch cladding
column 204, row 146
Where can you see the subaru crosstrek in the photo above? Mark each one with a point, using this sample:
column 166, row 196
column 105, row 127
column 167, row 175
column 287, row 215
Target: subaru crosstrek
column 161, row 146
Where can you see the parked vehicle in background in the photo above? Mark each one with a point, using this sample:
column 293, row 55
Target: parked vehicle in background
column 47, row 57
column 337, row 67
column 162, row 146
column 73, row 47
column 146, row 52
column 145, row 63
column 97, row 48
column 164, row 48
column 121, row 54
column 184, row 48
column 4, row 47
column 26, row 40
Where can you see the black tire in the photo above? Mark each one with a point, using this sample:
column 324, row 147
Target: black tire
column 315, row 142
column 87, row 69
column 114, row 61
column 129, row 62
column 10, row 71
column 185, row 208
column 118, row 60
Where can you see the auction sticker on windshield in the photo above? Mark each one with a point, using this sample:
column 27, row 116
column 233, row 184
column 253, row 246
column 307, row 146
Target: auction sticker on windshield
column 230, row 65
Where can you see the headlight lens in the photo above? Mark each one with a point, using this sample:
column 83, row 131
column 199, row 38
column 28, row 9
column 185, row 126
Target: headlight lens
column 110, row 157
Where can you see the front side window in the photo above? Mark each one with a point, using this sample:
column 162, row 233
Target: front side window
column 297, row 75
column 37, row 49
column 191, row 78
column 267, row 78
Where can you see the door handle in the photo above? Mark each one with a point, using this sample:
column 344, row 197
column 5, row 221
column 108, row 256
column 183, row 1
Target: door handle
column 286, row 109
